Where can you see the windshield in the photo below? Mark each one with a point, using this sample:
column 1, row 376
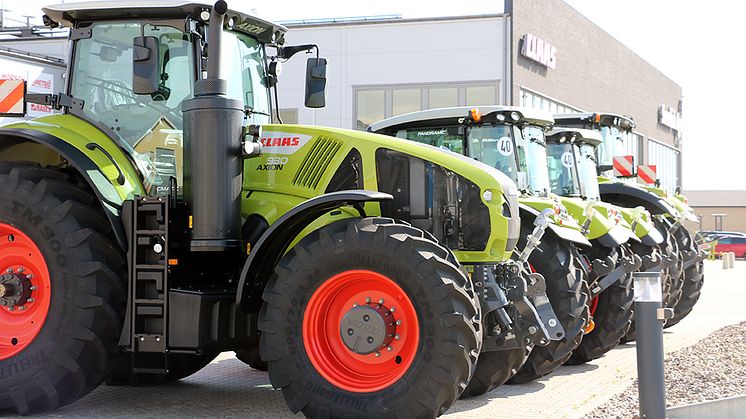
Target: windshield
column 612, row 145
column 493, row 145
column 532, row 157
column 562, row 173
column 243, row 66
column 450, row 138
column 587, row 171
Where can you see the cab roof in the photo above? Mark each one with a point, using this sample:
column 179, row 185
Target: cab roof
column 69, row 14
column 587, row 136
column 450, row 116
column 589, row 118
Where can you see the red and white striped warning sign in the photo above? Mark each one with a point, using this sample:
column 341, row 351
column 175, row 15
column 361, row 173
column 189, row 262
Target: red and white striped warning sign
column 623, row 166
column 11, row 97
column 646, row 174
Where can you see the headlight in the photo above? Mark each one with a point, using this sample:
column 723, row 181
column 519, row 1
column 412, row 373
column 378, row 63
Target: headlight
column 487, row 195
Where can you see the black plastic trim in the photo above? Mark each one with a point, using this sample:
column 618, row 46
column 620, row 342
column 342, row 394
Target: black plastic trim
column 107, row 195
column 619, row 193
column 273, row 244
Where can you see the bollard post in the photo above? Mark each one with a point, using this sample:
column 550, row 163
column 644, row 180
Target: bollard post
column 649, row 318
column 733, row 260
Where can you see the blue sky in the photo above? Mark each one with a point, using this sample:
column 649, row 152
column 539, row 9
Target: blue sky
column 700, row 45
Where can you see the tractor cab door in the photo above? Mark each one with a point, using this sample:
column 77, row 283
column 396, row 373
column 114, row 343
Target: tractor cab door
column 148, row 126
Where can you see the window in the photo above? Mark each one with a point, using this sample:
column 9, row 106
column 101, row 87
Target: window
column 443, row 97
column 529, row 99
column 288, row 116
column 406, row 101
column 371, row 107
column 151, row 124
column 481, row 95
column 666, row 160
column 243, row 67
column 375, row 103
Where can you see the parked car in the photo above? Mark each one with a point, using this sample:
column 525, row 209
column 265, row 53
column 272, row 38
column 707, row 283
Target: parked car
column 714, row 235
column 731, row 244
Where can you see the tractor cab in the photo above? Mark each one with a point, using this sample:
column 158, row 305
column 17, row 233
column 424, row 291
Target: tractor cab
column 133, row 65
column 506, row 138
column 572, row 162
column 615, row 131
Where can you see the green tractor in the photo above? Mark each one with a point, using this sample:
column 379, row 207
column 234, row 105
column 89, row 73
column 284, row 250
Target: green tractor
column 160, row 220
column 512, row 140
column 684, row 256
column 573, row 173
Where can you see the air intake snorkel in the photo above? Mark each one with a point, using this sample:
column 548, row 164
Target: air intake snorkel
column 212, row 134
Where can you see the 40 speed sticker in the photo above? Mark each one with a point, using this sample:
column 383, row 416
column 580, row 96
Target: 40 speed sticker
column 568, row 160
column 505, row 146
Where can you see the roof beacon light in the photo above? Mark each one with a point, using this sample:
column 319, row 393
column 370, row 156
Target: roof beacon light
column 475, row 114
column 597, row 117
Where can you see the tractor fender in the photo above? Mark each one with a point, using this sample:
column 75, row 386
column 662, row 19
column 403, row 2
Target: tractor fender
column 528, row 214
column 272, row 245
column 616, row 237
column 619, row 193
column 88, row 170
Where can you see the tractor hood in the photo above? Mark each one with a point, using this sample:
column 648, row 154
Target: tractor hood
column 562, row 222
column 602, row 222
column 305, row 161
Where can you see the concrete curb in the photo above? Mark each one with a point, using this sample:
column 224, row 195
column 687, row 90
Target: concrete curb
column 728, row 408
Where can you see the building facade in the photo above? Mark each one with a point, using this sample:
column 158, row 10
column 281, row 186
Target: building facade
column 719, row 210
column 541, row 54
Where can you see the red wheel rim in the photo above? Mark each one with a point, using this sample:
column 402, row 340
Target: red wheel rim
column 594, row 304
column 323, row 342
column 23, row 271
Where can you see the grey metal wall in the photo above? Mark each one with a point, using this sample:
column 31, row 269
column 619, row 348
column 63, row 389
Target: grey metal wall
column 594, row 71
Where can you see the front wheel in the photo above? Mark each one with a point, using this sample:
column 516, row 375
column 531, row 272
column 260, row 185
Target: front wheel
column 367, row 318
column 612, row 314
column 62, row 292
column 565, row 289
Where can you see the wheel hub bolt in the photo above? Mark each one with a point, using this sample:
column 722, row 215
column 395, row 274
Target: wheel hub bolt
column 392, row 309
column 378, row 354
column 532, row 329
column 367, row 299
column 397, row 337
column 389, row 349
column 398, row 322
column 380, row 301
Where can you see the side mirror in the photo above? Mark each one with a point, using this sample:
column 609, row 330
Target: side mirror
column 146, row 68
column 316, row 82
column 12, row 98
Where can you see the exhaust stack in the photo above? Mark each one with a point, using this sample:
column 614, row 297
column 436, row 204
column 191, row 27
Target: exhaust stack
column 212, row 134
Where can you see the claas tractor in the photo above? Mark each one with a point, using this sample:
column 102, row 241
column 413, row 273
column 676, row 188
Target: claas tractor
column 160, row 219
column 669, row 214
column 512, row 141
column 573, row 170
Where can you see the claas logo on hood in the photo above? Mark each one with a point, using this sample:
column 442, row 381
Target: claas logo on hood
column 280, row 141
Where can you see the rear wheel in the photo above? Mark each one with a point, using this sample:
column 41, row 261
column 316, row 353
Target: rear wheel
column 565, row 289
column 694, row 279
column 62, row 290
column 366, row 317
column 611, row 312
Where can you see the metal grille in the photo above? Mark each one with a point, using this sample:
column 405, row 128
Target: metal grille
column 316, row 162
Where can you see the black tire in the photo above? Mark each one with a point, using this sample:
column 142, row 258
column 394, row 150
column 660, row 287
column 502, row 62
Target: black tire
column 566, row 292
column 180, row 366
column 449, row 342
column 495, row 369
column 666, row 285
column 694, row 278
column 612, row 318
column 252, row 358
column 75, row 349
